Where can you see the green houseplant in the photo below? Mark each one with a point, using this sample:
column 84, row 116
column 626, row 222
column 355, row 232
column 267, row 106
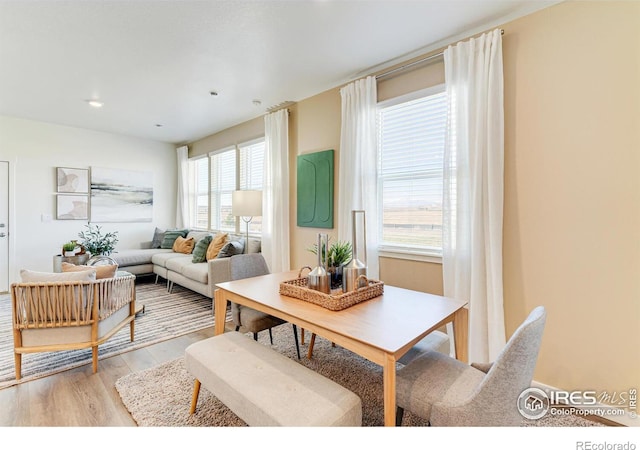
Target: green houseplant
column 338, row 255
column 97, row 243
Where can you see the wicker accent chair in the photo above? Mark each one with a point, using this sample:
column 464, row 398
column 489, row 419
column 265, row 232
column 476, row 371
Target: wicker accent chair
column 70, row 315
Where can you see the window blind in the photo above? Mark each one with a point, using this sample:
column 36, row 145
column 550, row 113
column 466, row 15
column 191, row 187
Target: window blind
column 223, row 183
column 201, row 213
column 411, row 145
column 252, row 174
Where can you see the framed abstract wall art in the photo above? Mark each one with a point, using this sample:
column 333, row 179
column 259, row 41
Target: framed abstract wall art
column 119, row 195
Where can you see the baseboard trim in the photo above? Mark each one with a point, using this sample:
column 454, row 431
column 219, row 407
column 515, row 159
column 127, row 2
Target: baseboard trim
column 623, row 417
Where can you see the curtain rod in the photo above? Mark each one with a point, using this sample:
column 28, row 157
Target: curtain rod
column 414, row 63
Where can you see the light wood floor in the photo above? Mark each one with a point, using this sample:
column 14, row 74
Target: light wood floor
column 81, row 398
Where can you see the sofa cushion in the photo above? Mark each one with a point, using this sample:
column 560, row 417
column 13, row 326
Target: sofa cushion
column 184, row 245
column 216, row 245
column 158, row 236
column 197, row 272
column 170, row 237
column 179, row 263
column 255, row 244
column 136, row 257
column 232, row 248
column 197, row 235
column 200, row 249
column 102, row 271
column 160, row 259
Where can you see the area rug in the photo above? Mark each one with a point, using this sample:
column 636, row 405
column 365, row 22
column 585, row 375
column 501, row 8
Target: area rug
column 166, row 316
column 161, row 396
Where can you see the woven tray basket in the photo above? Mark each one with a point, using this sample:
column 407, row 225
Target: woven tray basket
column 335, row 302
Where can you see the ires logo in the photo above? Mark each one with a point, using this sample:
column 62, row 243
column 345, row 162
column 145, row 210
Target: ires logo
column 534, row 403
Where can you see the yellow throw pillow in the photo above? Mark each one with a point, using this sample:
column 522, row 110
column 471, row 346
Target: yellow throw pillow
column 183, row 245
column 102, row 271
column 216, row 245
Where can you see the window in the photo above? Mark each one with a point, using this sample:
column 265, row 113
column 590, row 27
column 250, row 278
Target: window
column 251, row 174
column 411, row 146
column 223, row 183
column 199, row 193
column 213, row 180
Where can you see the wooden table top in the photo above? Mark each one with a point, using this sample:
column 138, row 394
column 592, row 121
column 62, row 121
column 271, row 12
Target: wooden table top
column 388, row 322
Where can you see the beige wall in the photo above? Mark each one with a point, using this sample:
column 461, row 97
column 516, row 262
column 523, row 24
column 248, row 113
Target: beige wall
column 572, row 190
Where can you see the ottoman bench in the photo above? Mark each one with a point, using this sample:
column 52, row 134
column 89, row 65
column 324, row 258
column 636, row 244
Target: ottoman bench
column 266, row 388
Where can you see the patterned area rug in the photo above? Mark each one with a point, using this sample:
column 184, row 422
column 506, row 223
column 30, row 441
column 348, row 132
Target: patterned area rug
column 165, row 316
column 161, row 396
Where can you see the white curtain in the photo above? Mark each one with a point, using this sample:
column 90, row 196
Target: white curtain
column 473, row 189
column 275, row 193
column 358, row 179
column 182, row 201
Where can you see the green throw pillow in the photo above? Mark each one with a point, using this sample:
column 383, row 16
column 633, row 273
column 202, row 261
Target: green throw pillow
column 200, row 250
column 170, row 237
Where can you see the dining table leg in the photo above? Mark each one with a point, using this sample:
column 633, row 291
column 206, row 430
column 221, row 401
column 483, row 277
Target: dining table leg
column 389, row 394
column 219, row 310
column 461, row 334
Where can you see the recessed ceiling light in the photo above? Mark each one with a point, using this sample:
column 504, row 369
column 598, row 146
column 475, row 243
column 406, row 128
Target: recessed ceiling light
column 257, row 103
column 159, row 125
column 213, row 93
column 95, row 103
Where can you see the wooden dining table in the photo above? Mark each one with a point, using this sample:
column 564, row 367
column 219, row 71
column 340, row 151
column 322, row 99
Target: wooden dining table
column 381, row 329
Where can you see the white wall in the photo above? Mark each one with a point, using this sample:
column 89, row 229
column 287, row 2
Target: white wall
column 35, row 149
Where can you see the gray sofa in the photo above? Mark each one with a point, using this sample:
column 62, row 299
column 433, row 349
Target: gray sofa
column 179, row 268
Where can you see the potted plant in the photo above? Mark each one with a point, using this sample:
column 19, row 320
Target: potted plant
column 69, row 248
column 339, row 254
column 97, row 243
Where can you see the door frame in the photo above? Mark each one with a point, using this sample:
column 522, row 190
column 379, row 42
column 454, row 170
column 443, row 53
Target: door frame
column 10, row 220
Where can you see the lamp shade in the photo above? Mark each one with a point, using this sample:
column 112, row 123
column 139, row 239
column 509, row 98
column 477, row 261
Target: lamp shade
column 246, row 203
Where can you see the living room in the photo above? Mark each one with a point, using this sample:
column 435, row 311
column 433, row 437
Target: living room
column 571, row 207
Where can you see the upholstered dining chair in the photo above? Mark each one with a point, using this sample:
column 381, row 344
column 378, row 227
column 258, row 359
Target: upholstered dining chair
column 246, row 266
column 448, row 392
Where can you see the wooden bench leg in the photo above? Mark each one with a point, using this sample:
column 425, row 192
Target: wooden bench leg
column 194, row 399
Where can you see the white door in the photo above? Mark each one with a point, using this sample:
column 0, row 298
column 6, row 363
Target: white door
column 4, row 226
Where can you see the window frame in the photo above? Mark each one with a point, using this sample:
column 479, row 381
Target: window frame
column 427, row 254
column 193, row 191
column 237, row 150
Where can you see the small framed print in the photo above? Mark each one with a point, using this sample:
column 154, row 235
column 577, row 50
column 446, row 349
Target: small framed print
column 72, row 207
column 72, row 181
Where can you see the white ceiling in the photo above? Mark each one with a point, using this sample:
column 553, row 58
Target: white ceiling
column 156, row 62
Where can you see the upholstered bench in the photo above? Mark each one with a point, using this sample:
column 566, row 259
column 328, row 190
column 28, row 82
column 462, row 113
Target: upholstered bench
column 265, row 388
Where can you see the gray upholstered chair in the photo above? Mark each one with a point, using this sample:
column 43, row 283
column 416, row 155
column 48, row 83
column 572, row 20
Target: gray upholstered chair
column 448, row 392
column 247, row 266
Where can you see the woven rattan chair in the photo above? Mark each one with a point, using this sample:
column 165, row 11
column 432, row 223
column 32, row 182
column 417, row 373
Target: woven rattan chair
column 70, row 315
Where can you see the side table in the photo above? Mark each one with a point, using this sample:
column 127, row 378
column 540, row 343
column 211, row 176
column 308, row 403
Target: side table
column 78, row 260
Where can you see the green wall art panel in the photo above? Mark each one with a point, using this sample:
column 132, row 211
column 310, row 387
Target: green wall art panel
column 315, row 189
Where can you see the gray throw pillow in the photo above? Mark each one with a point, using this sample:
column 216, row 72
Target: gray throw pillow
column 170, row 237
column 200, row 250
column 232, row 248
column 158, row 236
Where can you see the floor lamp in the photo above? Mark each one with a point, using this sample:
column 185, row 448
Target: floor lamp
column 247, row 205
